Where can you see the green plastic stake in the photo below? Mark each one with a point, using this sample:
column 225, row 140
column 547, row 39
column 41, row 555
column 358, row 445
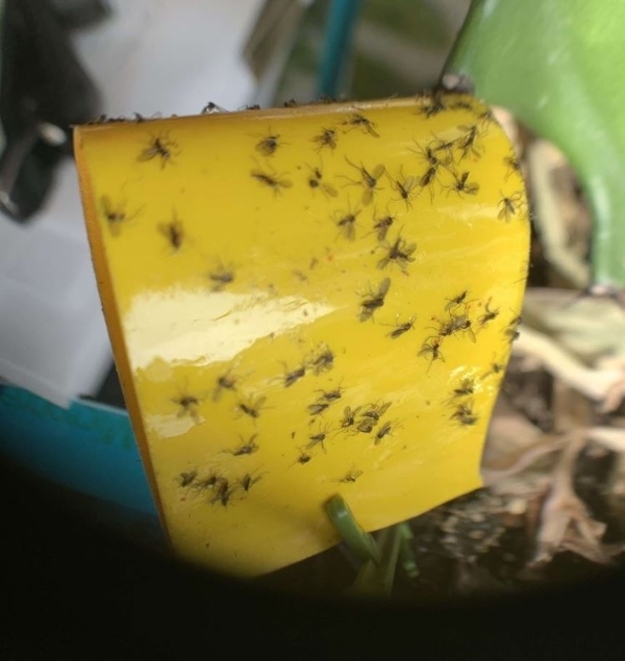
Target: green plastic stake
column 376, row 579
column 554, row 64
column 360, row 542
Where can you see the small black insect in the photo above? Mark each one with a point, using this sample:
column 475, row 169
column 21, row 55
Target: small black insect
column 223, row 492
column 461, row 185
column 376, row 411
column 431, row 104
column 160, row 147
column 188, row 406
column 323, row 361
column 366, row 425
column 514, row 165
column 248, row 481
column 399, row 252
column 269, row 144
column 224, row 382
column 488, row 315
column 291, row 103
column 405, row 186
column 220, row 277
column 252, row 407
column 384, row 430
column 432, row 348
column 464, row 415
column 374, row 300
column 349, row 417
column 400, row 329
column 456, row 301
column 207, row 482
column 351, row 477
column 294, row 375
column 315, row 181
column 331, row 395
column 210, row 108
column 304, row 458
column 382, row 225
column 347, row 224
column 509, row 206
column 173, row 231
column 356, row 120
column 511, row 331
column 467, row 142
column 187, row 478
column 317, row 439
column 369, row 180
column 455, row 324
column 327, row 138
column 249, row 447
column 115, row 214
column 317, row 408
column 272, row 181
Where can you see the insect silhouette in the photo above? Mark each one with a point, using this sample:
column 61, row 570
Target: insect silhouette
column 160, row 147
column 465, row 388
column 223, row 492
column 326, row 139
column 402, row 328
column 187, row 478
column 405, row 186
column 376, row 411
column 399, row 252
column 331, row 395
column 374, row 300
column 318, row 407
column 385, row 430
column 115, row 214
column 271, row 180
column 431, row 104
column 351, row 477
column 488, row 315
column 303, row 458
column 349, row 417
column 248, row 481
column 252, row 407
column 211, row 108
column 358, row 121
column 224, row 382
column 467, row 142
column 188, row 405
column 221, row 277
column 248, row 447
column 430, row 153
column 456, row 301
column 293, row 376
column 509, row 206
column 317, row 439
column 432, row 348
column 368, row 180
column 315, row 181
column 173, row 231
column 207, row 482
column 514, row 165
column 455, row 324
column 464, row 415
column 347, row 224
column 512, row 329
column 462, row 185
column 322, row 361
column 382, row 225
column 366, row 425
column 269, row 144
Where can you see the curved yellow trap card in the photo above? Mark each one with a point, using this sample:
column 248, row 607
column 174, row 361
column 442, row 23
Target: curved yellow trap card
column 302, row 303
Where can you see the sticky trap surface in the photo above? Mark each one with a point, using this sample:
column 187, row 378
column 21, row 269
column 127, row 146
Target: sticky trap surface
column 304, row 302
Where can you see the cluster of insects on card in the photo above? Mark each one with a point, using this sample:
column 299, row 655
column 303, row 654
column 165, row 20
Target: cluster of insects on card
column 366, row 201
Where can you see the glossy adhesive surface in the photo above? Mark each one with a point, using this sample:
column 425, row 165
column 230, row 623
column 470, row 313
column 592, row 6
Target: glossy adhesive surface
column 306, row 302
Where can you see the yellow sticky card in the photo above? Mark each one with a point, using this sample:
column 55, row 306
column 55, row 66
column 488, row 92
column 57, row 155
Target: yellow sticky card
column 306, row 302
